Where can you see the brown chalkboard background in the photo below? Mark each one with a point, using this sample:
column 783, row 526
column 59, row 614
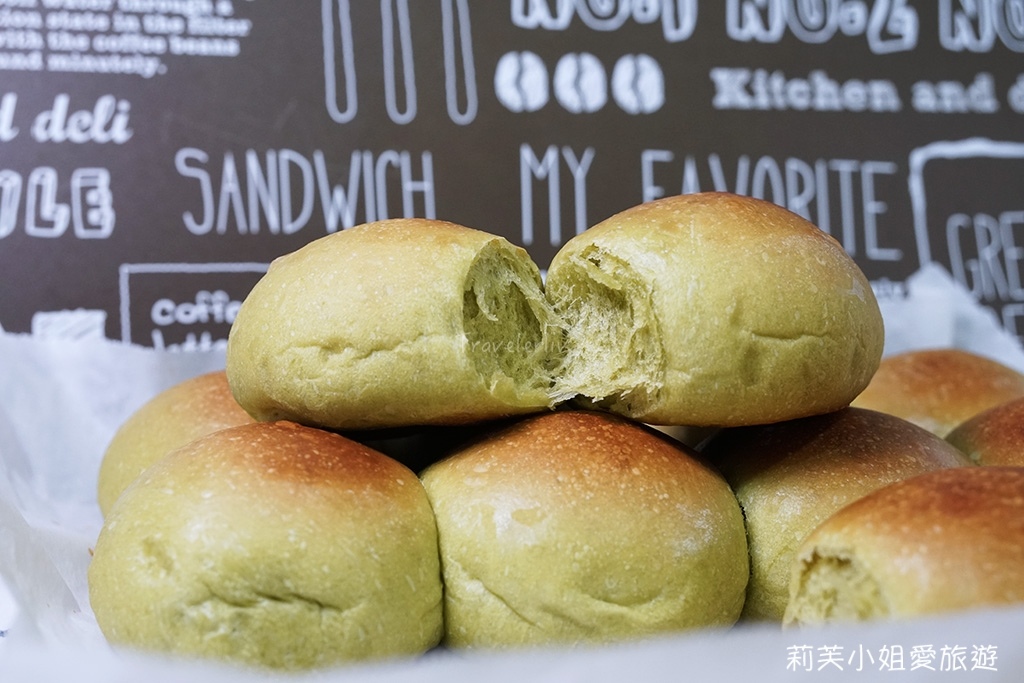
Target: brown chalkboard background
column 272, row 99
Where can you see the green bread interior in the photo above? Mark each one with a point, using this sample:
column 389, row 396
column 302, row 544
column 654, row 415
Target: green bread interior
column 512, row 332
column 613, row 358
column 834, row 587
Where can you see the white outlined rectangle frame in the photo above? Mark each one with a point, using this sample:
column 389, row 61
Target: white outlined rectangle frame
column 126, row 270
column 968, row 148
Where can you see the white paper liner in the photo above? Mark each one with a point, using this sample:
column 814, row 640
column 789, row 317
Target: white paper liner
column 937, row 312
column 62, row 401
column 61, row 404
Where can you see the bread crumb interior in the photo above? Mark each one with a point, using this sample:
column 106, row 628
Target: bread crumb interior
column 613, row 359
column 511, row 329
column 836, row 588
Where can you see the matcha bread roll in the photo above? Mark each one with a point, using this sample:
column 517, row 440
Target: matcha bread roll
column 701, row 310
column 712, row 309
column 582, row 527
column 395, row 323
column 271, row 545
column 940, row 542
column 940, row 388
column 791, row 476
column 994, row 436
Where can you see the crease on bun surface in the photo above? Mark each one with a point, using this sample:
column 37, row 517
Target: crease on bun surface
column 273, row 545
column 942, row 541
column 577, row 526
column 395, row 323
column 712, row 309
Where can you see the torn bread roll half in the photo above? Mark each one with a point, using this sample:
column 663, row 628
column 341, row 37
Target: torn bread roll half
column 271, row 545
column 713, row 309
column 395, row 323
column 942, row 541
column 582, row 527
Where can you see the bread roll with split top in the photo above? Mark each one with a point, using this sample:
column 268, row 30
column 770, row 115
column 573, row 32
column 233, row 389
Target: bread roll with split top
column 701, row 310
column 395, row 323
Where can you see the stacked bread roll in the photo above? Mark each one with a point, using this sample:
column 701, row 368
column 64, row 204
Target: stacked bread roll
column 712, row 309
column 938, row 389
column 579, row 526
column 941, row 541
column 791, row 476
column 959, row 529
column 273, row 544
column 184, row 412
column 994, row 436
column 546, row 509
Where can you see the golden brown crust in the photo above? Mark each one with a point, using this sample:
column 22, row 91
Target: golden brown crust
column 580, row 526
column 294, row 454
column 946, row 540
column 713, row 309
column 791, row 476
column 562, row 456
column 271, row 544
column 994, row 436
column 939, row 388
column 186, row 411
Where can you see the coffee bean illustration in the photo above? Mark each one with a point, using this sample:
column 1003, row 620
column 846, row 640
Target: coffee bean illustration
column 638, row 84
column 580, row 83
column 521, row 81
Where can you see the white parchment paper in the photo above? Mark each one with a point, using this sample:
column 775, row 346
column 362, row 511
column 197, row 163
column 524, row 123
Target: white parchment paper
column 938, row 312
column 61, row 401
